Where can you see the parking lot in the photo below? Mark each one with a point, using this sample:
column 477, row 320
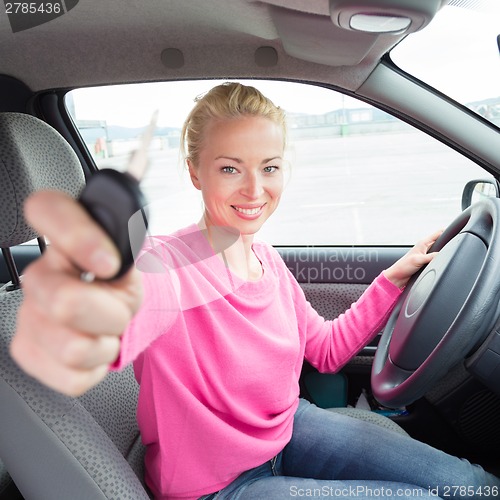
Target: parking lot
column 392, row 188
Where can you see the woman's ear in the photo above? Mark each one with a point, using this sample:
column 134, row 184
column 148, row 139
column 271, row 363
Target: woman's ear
column 194, row 175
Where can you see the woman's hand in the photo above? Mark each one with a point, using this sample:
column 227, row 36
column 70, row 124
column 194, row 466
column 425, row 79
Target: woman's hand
column 402, row 270
column 68, row 330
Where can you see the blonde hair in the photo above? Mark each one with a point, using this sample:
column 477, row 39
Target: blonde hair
column 229, row 100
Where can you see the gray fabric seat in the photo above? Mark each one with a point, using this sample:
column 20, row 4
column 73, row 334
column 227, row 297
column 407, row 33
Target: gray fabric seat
column 55, row 446
column 371, row 417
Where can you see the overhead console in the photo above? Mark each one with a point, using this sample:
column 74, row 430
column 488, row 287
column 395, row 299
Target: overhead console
column 310, row 29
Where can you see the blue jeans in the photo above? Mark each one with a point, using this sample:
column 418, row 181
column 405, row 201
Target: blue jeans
column 332, row 455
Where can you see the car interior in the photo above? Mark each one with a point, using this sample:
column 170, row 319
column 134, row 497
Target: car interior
column 54, row 446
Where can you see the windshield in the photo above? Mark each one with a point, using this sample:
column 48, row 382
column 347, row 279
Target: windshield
column 458, row 54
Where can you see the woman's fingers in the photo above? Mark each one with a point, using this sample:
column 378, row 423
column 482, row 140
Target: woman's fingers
column 95, row 308
column 417, row 257
column 68, row 331
column 69, row 227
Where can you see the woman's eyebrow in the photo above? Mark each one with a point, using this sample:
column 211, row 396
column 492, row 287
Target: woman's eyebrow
column 239, row 160
column 271, row 159
column 223, row 157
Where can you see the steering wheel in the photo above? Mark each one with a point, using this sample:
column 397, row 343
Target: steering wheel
column 445, row 312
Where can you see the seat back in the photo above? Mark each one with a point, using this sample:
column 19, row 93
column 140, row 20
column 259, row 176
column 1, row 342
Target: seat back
column 54, row 446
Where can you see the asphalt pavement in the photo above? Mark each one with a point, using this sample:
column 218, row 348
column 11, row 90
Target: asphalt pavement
column 388, row 189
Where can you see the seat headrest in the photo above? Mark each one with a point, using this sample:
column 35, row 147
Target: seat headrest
column 33, row 156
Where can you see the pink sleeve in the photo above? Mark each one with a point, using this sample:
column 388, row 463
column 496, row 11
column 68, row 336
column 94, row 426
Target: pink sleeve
column 157, row 313
column 331, row 344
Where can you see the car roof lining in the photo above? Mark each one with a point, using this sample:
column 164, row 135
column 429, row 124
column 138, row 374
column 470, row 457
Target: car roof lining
column 87, row 45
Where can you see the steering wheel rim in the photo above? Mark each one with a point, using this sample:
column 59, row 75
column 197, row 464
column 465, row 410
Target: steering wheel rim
column 445, row 312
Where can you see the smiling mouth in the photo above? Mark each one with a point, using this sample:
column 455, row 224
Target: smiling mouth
column 248, row 211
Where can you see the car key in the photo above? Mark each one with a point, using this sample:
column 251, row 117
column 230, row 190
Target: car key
column 112, row 198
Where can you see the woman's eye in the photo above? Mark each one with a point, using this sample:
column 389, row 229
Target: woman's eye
column 228, row 170
column 271, row 169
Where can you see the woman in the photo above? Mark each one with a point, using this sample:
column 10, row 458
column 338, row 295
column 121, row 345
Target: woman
column 220, row 337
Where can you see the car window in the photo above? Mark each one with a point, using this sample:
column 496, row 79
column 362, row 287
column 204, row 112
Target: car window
column 355, row 175
column 471, row 71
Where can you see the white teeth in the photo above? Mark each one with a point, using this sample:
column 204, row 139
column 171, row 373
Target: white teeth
column 248, row 211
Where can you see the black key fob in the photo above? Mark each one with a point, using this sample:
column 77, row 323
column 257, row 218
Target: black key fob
column 115, row 200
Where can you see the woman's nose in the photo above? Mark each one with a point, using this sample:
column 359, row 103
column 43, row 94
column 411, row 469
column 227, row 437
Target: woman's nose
column 252, row 186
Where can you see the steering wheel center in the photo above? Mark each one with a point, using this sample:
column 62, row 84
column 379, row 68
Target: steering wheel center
column 420, row 292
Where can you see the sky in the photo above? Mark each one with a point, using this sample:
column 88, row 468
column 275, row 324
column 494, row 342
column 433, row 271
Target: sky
column 470, row 73
column 174, row 100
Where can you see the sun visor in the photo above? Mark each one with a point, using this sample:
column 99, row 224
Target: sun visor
column 343, row 32
column 315, row 38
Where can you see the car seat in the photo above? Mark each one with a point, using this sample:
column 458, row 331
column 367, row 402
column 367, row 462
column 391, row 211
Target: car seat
column 55, row 446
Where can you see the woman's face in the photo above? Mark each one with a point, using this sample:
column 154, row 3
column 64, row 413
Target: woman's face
column 240, row 172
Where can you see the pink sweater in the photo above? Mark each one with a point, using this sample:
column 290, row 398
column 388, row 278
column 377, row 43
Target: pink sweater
column 218, row 360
